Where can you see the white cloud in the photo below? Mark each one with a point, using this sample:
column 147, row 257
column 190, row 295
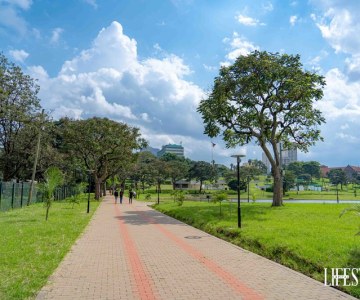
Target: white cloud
column 10, row 15
column 248, row 21
column 238, row 46
column 339, row 24
column 55, row 35
column 19, row 55
column 341, row 98
column 10, row 18
column 109, row 80
column 293, row 20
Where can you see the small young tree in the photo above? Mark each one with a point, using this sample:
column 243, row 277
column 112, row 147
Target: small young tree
column 79, row 189
column 53, row 178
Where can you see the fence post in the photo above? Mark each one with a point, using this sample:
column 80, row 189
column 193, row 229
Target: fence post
column 22, row 193
column 12, row 195
column 0, row 193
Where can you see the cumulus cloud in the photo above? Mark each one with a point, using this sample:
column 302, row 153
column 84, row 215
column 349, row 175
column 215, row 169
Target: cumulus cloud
column 109, row 80
column 339, row 24
column 248, row 21
column 19, row 55
column 238, row 46
column 341, row 109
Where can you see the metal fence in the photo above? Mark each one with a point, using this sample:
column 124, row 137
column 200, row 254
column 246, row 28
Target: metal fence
column 15, row 194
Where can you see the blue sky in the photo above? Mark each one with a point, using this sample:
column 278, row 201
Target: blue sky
column 149, row 63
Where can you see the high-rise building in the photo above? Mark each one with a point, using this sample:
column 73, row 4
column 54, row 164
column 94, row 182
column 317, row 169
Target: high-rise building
column 178, row 150
column 287, row 156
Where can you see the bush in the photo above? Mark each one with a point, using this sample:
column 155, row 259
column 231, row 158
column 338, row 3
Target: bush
column 220, row 196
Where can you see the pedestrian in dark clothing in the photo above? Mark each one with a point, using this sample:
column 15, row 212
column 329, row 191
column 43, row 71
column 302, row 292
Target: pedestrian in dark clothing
column 131, row 194
column 121, row 195
column 116, row 194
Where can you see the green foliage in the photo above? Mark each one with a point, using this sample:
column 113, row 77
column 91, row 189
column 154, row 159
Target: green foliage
column 233, row 185
column 201, row 171
column 19, row 119
column 177, row 170
column 337, row 176
column 105, row 146
column 148, row 197
column 53, row 178
column 79, row 189
column 219, row 196
column 179, row 197
column 267, row 98
column 288, row 181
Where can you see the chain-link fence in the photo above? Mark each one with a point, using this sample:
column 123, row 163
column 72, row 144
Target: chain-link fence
column 15, row 194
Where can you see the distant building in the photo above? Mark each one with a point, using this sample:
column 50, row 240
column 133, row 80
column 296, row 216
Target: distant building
column 153, row 151
column 178, row 150
column 287, row 156
column 351, row 171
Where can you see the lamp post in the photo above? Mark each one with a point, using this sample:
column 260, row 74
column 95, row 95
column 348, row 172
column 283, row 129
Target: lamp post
column 158, row 191
column 238, row 160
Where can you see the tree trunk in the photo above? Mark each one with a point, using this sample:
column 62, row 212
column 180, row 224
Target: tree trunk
column 200, row 186
column 278, row 193
column 97, row 188
column 104, row 188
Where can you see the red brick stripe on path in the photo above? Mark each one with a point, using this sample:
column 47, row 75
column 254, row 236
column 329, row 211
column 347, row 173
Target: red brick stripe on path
column 142, row 279
column 239, row 287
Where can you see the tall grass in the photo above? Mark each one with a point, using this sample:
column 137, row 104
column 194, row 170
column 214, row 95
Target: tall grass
column 31, row 248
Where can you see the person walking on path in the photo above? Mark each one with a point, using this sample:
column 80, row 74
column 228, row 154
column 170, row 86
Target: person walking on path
column 131, row 194
column 121, row 195
column 116, row 194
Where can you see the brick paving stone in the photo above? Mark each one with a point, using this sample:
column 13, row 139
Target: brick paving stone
column 134, row 252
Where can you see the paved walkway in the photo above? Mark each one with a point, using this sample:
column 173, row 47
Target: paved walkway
column 133, row 252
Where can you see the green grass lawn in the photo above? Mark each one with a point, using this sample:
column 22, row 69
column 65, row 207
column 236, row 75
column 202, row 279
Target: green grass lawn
column 304, row 237
column 31, row 248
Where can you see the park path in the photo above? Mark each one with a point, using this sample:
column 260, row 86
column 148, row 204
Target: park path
column 131, row 251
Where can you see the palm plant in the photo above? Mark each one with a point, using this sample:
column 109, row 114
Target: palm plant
column 53, row 178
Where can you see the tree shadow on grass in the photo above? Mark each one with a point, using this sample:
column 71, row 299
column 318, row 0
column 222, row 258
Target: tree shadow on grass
column 354, row 258
column 147, row 217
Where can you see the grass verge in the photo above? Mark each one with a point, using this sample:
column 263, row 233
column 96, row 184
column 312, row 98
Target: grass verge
column 304, row 237
column 31, row 248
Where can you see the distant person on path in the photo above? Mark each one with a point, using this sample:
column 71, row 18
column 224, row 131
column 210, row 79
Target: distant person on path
column 121, row 195
column 116, row 194
column 131, row 194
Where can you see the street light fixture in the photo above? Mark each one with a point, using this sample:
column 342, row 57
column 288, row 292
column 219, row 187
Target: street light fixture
column 238, row 160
